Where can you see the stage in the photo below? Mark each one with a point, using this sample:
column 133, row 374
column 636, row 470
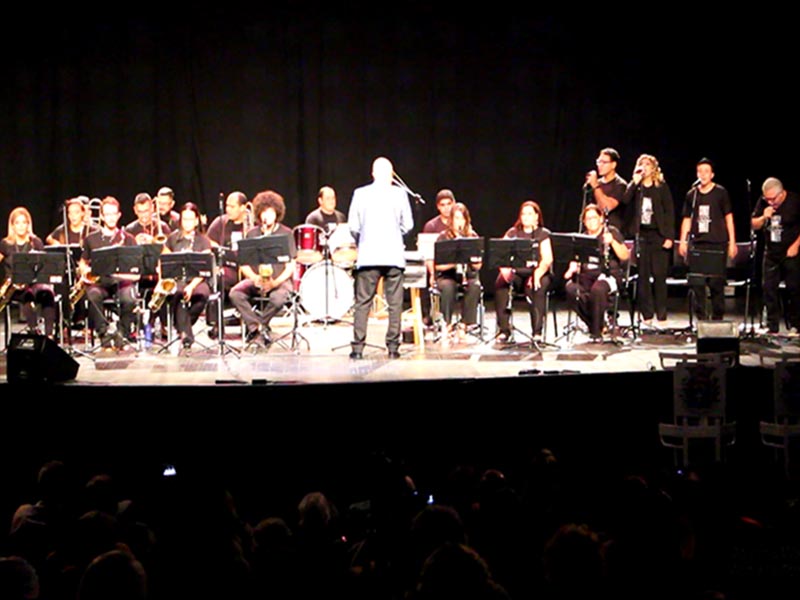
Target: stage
column 318, row 353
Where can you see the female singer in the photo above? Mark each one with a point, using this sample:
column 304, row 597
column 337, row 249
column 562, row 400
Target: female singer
column 190, row 298
column 654, row 228
column 598, row 277
column 450, row 276
column 534, row 280
column 20, row 240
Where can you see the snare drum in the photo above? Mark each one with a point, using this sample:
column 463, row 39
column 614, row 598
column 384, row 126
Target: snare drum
column 326, row 291
column 342, row 246
column 309, row 242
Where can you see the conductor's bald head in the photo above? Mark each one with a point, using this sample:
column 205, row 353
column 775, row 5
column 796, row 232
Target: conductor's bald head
column 382, row 170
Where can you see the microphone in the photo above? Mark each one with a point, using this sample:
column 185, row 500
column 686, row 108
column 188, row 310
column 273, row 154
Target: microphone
column 222, row 203
column 696, row 182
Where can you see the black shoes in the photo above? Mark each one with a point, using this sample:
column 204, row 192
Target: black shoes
column 394, row 354
column 213, row 332
column 251, row 335
column 356, row 355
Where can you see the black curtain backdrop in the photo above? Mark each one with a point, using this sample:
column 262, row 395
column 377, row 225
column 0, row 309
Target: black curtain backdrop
column 498, row 106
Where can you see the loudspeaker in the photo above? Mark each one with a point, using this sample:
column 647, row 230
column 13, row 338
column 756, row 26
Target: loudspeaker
column 38, row 359
column 717, row 336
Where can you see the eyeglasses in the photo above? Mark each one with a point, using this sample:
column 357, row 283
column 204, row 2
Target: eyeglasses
column 603, row 161
column 773, row 199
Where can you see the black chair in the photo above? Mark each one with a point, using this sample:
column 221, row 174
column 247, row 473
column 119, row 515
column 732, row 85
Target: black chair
column 785, row 424
column 699, row 407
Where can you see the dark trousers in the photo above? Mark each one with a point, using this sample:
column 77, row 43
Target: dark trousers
column 366, row 285
column 777, row 269
column 43, row 295
column 242, row 293
column 588, row 296
column 186, row 314
column 653, row 262
column 716, row 290
column 125, row 293
column 537, row 302
column 448, row 289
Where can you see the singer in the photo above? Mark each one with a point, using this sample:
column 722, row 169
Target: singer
column 708, row 220
column 778, row 212
column 653, row 226
column 607, row 187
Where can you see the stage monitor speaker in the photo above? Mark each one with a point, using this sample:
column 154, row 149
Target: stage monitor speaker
column 717, row 336
column 38, row 359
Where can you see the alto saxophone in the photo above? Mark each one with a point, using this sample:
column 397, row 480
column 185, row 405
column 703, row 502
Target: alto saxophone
column 164, row 287
column 78, row 290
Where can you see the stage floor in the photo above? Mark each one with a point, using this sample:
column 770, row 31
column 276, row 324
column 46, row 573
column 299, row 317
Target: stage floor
column 319, row 353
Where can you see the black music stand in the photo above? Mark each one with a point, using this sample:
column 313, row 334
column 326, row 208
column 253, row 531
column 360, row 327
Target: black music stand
column 117, row 260
column 275, row 249
column 185, row 266
column 463, row 251
column 704, row 263
column 34, row 267
column 515, row 253
column 575, row 247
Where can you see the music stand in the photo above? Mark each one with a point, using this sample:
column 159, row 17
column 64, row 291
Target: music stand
column 515, row 253
column 34, row 267
column 575, row 247
column 185, row 266
column 117, row 260
column 462, row 251
column 703, row 263
column 274, row 249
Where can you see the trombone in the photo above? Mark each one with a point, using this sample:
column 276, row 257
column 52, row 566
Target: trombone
column 93, row 207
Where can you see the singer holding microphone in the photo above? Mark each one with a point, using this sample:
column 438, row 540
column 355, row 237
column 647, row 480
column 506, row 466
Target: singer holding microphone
column 654, row 228
column 606, row 188
column 778, row 212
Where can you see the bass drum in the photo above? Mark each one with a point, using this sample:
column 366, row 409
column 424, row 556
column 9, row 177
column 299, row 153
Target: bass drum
column 326, row 291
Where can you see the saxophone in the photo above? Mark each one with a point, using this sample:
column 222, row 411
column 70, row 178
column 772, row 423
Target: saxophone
column 164, row 287
column 78, row 290
column 7, row 292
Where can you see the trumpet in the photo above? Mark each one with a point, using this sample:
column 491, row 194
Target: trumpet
column 160, row 237
column 78, row 290
column 264, row 275
column 164, row 288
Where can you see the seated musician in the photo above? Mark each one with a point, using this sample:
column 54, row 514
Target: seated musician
column 450, row 276
column 98, row 289
column 79, row 226
column 269, row 209
column 20, row 240
column 589, row 293
column 326, row 217
column 190, row 297
column 165, row 200
column 534, row 281
column 225, row 232
column 148, row 229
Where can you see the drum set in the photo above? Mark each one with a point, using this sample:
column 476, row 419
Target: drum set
column 323, row 276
